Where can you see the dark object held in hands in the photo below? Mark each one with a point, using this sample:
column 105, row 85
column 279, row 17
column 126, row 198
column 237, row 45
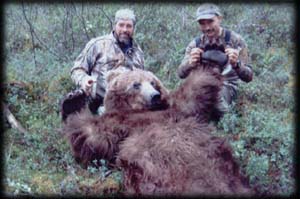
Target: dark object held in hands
column 215, row 57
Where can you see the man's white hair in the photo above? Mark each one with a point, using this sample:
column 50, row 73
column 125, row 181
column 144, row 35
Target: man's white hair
column 125, row 14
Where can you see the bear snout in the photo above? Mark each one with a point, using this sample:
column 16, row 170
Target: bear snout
column 155, row 98
column 149, row 93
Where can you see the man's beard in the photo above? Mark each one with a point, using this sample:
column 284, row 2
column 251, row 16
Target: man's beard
column 124, row 39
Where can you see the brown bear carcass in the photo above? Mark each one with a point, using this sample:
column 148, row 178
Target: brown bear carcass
column 161, row 140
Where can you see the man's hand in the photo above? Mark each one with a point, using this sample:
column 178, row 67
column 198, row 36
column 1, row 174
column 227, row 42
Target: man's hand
column 87, row 84
column 195, row 56
column 233, row 55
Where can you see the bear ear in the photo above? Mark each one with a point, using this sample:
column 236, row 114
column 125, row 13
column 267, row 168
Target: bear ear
column 112, row 75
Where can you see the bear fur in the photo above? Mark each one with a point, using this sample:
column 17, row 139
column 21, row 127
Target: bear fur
column 161, row 140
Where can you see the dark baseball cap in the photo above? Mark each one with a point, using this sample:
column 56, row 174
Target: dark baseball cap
column 207, row 11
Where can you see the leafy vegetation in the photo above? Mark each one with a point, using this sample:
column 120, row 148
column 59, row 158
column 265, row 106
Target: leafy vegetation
column 43, row 40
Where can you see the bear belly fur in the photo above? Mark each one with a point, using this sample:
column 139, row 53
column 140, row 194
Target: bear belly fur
column 179, row 158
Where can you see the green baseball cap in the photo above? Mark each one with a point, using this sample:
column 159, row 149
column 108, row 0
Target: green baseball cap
column 207, row 11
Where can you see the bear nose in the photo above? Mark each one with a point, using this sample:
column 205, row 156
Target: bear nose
column 155, row 98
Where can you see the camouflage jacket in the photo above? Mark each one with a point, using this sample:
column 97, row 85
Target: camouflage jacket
column 232, row 76
column 102, row 54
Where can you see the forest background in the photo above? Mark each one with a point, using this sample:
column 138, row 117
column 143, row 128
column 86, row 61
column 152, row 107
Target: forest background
column 42, row 40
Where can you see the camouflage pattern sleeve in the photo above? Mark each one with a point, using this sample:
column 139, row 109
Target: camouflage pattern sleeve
column 82, row 63
column 244, row 71
column 140, row 58
column 185, row 68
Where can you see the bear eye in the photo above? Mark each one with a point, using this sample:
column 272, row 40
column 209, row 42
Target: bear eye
column 153, row 83
column 136, row 85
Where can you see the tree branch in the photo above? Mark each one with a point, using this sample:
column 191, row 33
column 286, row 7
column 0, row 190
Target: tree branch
column 31, row 33
column 82, row 20
column 12, row 120
column 110, row 21
column 64, row 58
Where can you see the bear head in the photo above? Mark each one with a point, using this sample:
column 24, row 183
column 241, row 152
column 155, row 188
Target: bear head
column 134, row 90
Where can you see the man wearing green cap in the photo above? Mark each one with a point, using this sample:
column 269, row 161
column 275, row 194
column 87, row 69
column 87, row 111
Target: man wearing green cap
column 232, row 44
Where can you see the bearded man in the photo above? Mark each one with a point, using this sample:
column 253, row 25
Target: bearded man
column 105, row 53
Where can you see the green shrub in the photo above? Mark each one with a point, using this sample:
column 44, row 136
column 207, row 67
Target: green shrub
column 260, row 125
